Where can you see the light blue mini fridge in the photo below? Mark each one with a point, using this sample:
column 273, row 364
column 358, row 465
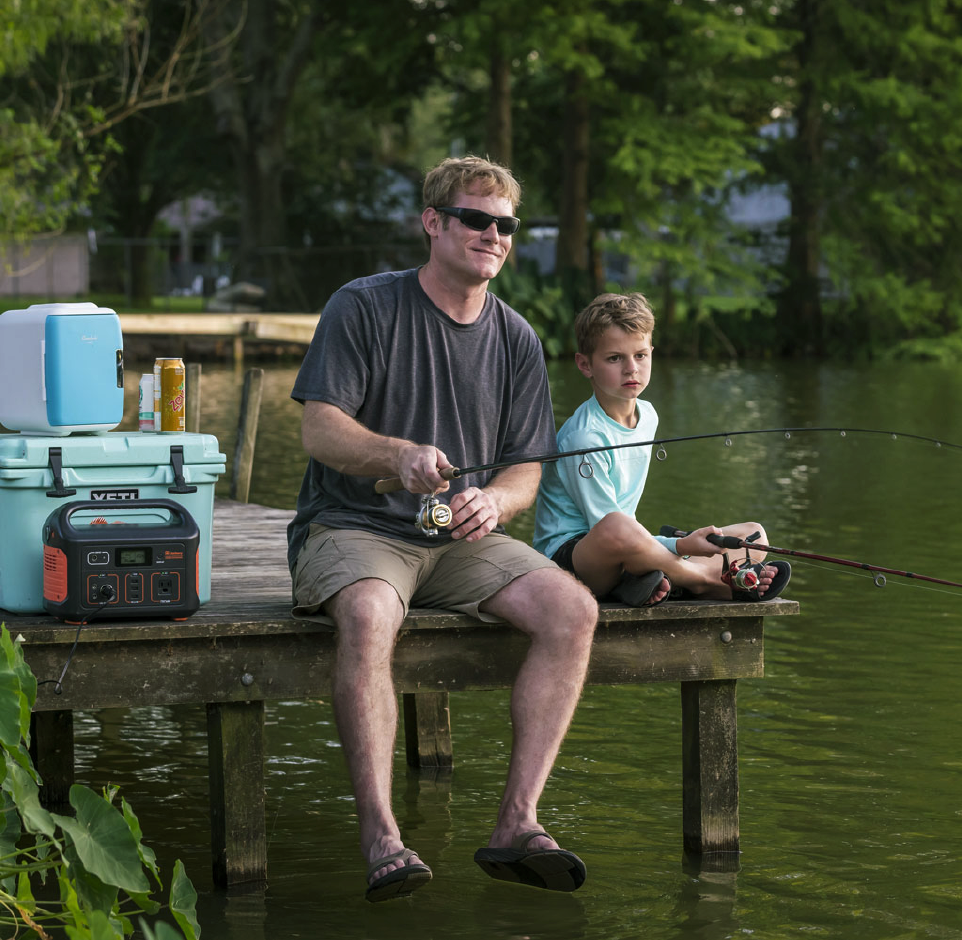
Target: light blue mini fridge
column 61, row 369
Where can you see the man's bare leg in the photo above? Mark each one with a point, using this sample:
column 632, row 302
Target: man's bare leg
column 368, row 615
column 559, row 615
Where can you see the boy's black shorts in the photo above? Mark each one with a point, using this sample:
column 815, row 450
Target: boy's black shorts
column 562, row 557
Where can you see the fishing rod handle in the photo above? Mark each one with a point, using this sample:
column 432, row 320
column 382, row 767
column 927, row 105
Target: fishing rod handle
column 722, row 541
column 393, row 484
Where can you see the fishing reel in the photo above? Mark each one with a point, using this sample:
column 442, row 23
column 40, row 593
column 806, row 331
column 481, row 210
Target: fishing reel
column 741, row 575
column 432, row 515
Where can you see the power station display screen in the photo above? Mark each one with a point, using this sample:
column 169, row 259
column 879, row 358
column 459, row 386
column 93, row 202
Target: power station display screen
column 133, row 557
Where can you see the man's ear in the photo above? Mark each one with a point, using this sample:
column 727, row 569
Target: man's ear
column 431, row 220
column 584, row 364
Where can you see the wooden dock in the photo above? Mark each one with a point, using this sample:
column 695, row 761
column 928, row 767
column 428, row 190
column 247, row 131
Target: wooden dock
column 244, row 648
column 238, row 328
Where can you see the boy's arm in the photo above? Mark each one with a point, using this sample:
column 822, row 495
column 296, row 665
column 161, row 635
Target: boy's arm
column 596, row 496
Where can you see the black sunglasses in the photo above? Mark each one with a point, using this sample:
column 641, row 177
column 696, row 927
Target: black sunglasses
column 479, row 221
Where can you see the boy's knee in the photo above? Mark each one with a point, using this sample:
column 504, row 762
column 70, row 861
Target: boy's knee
column 621, row 533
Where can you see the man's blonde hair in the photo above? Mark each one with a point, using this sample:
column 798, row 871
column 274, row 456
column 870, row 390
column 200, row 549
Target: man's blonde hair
column 631, row 312
column 459, row 174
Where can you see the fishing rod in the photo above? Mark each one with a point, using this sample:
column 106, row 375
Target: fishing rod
column 732, row 541
column 393, row 484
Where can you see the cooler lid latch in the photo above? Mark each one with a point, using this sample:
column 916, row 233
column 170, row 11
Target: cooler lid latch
column 55, row 461
column 177, row 462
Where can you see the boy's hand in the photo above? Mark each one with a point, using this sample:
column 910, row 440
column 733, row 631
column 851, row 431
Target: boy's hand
column 696, row 543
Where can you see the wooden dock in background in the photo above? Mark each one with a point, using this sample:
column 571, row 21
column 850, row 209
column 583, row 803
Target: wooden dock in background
column 244, row 648
column 286, row 328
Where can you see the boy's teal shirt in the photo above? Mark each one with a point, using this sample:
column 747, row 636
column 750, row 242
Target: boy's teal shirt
column 570, row 504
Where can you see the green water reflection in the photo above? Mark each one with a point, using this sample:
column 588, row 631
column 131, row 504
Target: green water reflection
column 850, row 747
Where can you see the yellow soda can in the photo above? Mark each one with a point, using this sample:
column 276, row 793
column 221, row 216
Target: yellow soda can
column 173, row 400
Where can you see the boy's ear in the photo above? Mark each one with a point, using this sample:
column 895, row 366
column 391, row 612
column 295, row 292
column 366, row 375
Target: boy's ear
column 584, row 364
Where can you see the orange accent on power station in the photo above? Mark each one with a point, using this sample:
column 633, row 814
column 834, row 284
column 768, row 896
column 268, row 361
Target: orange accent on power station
column 54, row 574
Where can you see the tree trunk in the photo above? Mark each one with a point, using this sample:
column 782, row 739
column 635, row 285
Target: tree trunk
column 499, row 105
column 572, row 251
column 251, row 103
column 801, row 303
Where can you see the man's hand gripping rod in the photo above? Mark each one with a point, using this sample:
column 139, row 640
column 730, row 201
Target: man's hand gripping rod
column 433, row 514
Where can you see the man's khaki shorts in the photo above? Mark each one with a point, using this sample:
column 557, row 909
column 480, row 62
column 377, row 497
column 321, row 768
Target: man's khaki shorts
column 455, row 575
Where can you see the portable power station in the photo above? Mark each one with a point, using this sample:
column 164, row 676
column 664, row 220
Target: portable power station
column 144, row 565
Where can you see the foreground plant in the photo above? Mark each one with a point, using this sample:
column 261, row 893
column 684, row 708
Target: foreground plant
column 95, row 860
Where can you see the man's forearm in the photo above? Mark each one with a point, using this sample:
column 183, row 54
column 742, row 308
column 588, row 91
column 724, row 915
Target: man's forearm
column 514, row 489
column 344, row 444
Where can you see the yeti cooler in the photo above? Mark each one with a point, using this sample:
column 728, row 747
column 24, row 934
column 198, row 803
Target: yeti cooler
column 61, row 369
column 40, row 474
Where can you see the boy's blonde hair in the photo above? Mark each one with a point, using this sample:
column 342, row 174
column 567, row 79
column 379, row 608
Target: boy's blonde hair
column 459, row 174
column 631, row 312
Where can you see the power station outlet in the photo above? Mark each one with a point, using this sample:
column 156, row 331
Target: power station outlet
column 166, row 588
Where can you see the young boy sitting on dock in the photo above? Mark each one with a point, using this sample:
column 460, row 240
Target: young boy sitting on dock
column 585, row 519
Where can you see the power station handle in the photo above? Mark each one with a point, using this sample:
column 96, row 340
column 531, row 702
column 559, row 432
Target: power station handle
column 126, row 505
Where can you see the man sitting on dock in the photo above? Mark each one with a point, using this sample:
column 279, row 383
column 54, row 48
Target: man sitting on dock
column 429, row 355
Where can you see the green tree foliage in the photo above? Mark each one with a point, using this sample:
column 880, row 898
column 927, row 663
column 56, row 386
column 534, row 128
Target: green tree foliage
column 72, row 71
column 101, row 868
column 345, row 75
column 873, row 159
column 632, row 120
column 630, row 123
column 47, row 167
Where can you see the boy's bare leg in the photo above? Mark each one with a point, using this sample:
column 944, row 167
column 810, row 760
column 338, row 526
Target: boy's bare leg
column 368, row 615
column 560, row 617
column 619, row 543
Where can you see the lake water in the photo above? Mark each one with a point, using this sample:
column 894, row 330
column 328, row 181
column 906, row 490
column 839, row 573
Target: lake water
column 850, row 746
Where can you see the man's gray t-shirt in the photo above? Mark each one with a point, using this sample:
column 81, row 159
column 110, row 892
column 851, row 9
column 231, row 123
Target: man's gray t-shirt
column 387, row 356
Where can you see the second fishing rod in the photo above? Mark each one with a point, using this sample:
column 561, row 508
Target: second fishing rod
column 731, row 541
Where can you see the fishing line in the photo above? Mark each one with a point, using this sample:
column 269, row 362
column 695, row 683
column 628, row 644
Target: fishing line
column 393, row 484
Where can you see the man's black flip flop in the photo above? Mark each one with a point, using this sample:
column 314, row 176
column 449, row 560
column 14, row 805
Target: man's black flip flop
column 553, row 869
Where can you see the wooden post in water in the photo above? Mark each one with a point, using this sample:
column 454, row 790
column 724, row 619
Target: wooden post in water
column 710, row 767
column 51, row 749
column 246, row 435
column 235, row 752
column 192, row 423
column 427, row 730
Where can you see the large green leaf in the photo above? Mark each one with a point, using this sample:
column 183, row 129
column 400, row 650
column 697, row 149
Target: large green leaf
column 160, row 931
column 92, row 893
column 183, row 902
column 100, row 927
column 9, row 831
column 23, row 788
column 104, row 842
column 12, row 697
column 147, row 856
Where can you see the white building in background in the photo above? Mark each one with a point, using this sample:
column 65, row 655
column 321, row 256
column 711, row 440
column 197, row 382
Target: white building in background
column 46, row 266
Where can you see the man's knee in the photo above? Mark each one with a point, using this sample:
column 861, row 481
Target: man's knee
column 367, row 611
column 570, row 609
